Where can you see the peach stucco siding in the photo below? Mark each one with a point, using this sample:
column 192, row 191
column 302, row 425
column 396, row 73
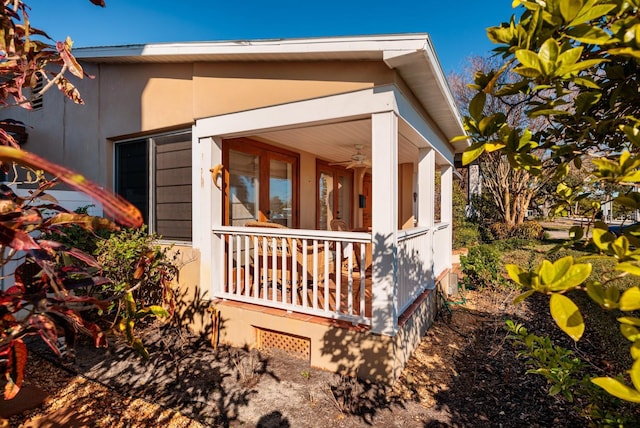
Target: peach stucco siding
column 127, row 100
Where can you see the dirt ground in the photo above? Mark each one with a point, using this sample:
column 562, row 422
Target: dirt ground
column 464, row 374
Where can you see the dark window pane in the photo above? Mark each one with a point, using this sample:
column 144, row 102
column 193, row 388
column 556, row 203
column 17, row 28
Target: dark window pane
column 132, row 174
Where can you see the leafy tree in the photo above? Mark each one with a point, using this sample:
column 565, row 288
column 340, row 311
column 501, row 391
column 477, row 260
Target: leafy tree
column 577, row 64
column 47, row 295
column 510, row 190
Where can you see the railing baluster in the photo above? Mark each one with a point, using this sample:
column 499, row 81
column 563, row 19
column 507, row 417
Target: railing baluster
column 294, row 272
column 338, row 268
column 349, row 249
column 230, row 287
column 327, row 305
column 256, row 268
column 285, row 279
column 305, row 270
column 363, row 275
column 265, row 268
column 238, row 259
column 315, row 274
column 247, row 260
column 274, row 268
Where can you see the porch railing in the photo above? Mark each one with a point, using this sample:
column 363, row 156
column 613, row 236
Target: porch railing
column 320, row 272
column 308, row 271
column 442, row 248
column 414, row 260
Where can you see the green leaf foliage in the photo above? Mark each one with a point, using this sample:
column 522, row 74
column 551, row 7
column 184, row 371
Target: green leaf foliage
column 567, row 315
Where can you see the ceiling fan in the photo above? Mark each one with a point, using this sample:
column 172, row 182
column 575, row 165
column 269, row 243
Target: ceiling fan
column 358, row 159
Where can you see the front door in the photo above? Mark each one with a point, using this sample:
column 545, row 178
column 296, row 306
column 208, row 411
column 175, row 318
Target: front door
column 261, row 183
column 335, row 195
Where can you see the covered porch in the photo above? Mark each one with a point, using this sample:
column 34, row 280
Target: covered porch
column 398, row 235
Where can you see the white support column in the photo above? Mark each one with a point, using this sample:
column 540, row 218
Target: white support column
column 426, row 194
column 446, row 204
column 384, row 133
column 446, row 190
column 426, row 184
column 207, row 152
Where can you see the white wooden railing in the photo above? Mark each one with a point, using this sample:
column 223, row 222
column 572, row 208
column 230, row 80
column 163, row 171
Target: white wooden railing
column 442, row 248
column 414, row 265
column 320, row 272
column 309, row 271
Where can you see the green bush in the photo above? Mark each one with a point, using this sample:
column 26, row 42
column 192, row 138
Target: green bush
column 131, row 260
column 527, row 230
column 500, row 230
column 73, row 236
column 482, row 267
column 567, row 376
column 466, row 235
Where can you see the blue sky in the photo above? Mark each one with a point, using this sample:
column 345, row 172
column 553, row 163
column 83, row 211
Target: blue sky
column 457, row 28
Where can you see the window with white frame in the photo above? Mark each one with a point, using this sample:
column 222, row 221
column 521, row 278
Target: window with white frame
column 154, row 174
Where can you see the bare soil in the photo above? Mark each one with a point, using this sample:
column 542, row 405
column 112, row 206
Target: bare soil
column 465, row 373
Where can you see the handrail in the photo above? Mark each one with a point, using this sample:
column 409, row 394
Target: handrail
column 323, row 235
column 443, row 225
column 410, row 233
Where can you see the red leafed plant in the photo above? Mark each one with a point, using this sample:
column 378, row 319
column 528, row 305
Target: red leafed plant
column 48, row 297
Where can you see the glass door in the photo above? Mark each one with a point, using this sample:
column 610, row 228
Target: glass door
column 335, row 195
column 244, row 187
column 262, row 183
column 280, row 208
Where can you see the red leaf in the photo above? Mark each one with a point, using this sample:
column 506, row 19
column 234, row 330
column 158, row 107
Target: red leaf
column 47, row 330
column 17, row 239
column 120, row 210
column 15, row 369
column 64, row 49
column 82, row 256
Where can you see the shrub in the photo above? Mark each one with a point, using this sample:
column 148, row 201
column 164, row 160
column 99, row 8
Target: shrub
column 132, row 261
column 482, row 267
column 527, row 230
column 567, row 376
column 500, row 230
column 466, row 235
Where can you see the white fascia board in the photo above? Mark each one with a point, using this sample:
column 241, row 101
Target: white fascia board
column 396, row 59
column 319, row 110
column 298, row 47
column 421, row 128
column 432, row 58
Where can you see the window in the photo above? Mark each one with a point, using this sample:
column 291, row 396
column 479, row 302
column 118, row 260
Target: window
column 263, row 183
column 154, row 174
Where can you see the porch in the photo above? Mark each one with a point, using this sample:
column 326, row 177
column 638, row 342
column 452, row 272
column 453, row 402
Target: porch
column 365, row 278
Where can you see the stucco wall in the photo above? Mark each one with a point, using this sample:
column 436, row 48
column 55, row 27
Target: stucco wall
column 127, row 100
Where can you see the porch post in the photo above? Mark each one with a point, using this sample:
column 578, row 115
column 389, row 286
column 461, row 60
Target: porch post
column 384, row 130
column 426, row 186
column 206, row 214
column 426, row 194
column 446, row 192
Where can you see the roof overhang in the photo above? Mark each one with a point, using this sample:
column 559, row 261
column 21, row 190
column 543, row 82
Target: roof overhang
column 411, row 55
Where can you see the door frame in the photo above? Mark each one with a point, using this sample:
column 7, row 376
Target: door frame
column 265, row 153
column 324, row 166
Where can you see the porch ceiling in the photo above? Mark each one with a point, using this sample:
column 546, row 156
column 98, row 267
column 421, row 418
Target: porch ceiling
column 335, row 142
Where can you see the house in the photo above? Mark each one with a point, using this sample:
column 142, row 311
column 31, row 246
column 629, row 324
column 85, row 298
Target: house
column 296, row 178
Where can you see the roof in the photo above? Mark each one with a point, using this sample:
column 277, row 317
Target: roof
column 411, row 55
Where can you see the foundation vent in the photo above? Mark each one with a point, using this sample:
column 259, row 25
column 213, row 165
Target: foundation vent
column 296, row 346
